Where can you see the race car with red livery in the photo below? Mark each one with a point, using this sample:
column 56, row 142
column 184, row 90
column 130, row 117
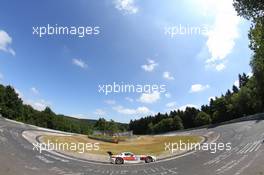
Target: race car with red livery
column 128, row 157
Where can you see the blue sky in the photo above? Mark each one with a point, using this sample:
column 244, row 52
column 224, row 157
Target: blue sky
column 64, row 71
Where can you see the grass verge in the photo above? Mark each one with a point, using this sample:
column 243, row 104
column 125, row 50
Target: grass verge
column 139, row 145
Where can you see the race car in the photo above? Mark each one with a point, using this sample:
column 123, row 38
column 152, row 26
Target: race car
column 128, row 157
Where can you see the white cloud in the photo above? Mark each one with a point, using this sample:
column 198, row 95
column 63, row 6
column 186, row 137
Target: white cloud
column 126, row 6
column 110, row 102
column 129, row 99
column 167, row 76
column 80, row 116
column 20, row 95
column 220, row 67
column 198, row 88
column 212, row 97
column 150, row 66
column 34, row 90
column 39, row 105
column 171, row 105
column 187, row 105
column 100, row 112
column 128, row 111
column 143, row 110
column 223, row 33
column 79, row 62
column 250, row 74
column 5, row 41
column 167, row 95
column 149, row 97
column 236, row 83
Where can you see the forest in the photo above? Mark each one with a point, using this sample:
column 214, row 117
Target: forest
column 12, row 107
column 237, row 102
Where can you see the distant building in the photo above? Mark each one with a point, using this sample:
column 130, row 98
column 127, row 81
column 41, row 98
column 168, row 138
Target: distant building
column 111, row 133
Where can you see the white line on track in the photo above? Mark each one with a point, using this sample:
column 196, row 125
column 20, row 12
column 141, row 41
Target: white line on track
column 44, row 159
column 56, row 158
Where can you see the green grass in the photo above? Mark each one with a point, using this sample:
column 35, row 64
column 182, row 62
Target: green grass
column 139, row 145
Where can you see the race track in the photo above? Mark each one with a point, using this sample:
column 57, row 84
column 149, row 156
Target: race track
column 246, row 156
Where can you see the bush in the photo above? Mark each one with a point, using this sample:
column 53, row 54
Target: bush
column 202, row 119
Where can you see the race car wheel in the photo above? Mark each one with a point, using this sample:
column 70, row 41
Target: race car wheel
column 148, row 159
column 119, row 161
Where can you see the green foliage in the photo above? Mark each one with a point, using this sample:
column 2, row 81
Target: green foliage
column 113, row 126
column 241, row 101
column 202, row 119
column 157, row 124
column 246, row 99
column 188, row 117
column 164, row 125
column 254, row 10
column 257, row 63
column 177, row 123
column 249, row 9
column 103, row 125
column 12, row 107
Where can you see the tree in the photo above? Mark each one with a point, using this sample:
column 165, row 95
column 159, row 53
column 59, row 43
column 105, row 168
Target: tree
column 151, row 128
column 202, row 119
column 101, row 124
column 249, row 9
column 257, row 63
column 188, row 117
column 164, row 125
column 243, row 79
column 11, row 106
column 112, row 126
column 177, row 123
column 48, row 111
column 254, row 10
column 235, row 89
column 219, row 108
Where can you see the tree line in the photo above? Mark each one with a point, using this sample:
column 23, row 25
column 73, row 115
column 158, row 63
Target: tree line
column 240, row 101
column 12, row 107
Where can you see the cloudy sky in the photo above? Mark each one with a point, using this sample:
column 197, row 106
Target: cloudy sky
column 136, row 45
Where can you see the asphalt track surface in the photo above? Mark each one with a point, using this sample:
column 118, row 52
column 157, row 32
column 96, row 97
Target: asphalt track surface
column 246, row 156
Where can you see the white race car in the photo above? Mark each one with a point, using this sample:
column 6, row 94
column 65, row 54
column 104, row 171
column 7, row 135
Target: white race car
column 128, row 157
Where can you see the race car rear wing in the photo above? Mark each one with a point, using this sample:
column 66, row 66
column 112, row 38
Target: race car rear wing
column 109, row 153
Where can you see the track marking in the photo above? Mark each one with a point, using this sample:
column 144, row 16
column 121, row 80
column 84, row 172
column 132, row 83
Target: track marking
column 221, row 157
column 58, row 170
column 230, row 165
column 255, row 146
column 250, row 147
column 56, row 158
column 45, row 160
column 244, row 148
column 258, row 147
column 31, row 168
column 248, row 165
